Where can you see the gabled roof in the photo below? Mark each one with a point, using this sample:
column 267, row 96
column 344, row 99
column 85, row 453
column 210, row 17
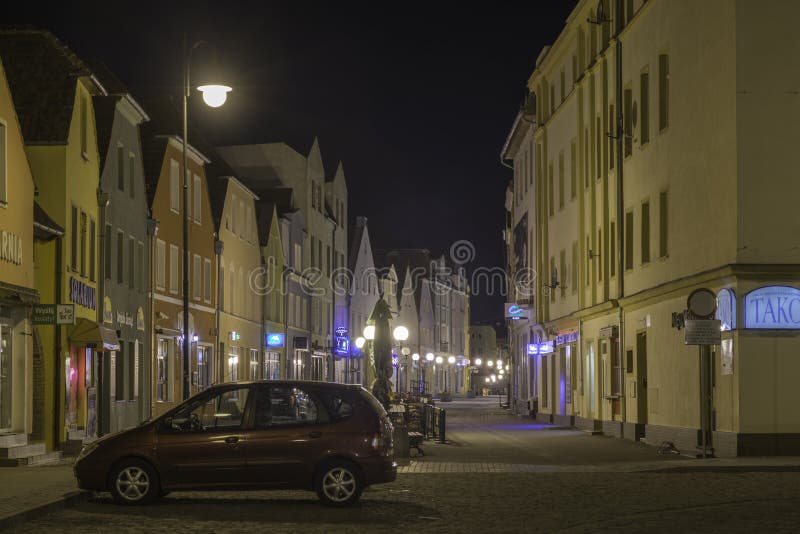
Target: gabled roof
column 355, row 238
column 42, row 73
column 104, row 108
column 281, row 197
column 265, row 212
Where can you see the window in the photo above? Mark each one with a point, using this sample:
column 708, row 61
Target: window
column 222, row 411
column 164, row 369
column 92, row 249
column 612, row 249
column 629, row 240
column 174, row 186
column 628, row 103
column 121, row 167
column 663, row 91
column 84, row 125
column 612, row 121
column 645, row 232
column 255, row 364
column 575, row 267
column 644, row 112
column 207, row 280
column 197, row 196
column 284, row 406
column 161, row 264
column 550, row 190
column 232, row 289
column 108, row 240
column 132, row 175
column 83, row 243
column 174, row 271
column 131, row 262
column 663, row 222
column 141, row 267
column 197, row 280
column 573, row 171
column 561, row 180
column 3, row 164
column 133, row 365
column 552, row 99
column 118, row 364
column 120, row 257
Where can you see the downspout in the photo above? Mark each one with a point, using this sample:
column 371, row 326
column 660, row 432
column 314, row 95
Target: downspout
column 620, row 138
column 102, row 202
column 284, row 277
column 152, row 232
column 219, row 248
column 58, row 418
column 263, row 339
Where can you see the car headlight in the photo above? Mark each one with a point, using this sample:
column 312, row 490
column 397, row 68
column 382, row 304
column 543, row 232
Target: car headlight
column 87, row 449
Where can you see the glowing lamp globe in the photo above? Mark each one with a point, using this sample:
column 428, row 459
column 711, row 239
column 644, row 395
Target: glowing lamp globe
column 214, row 95
column 415, row 357
column 478, row 362
column 451, row 360
column 369, row 332
column 400, row 333
column 429, row 356
column 439, row 359
column 360, row 342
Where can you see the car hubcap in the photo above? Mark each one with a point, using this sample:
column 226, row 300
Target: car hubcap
column 133, row 483
column 339, row 484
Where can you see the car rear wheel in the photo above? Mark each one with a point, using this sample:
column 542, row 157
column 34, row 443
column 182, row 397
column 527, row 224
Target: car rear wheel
column 339, row 484
column 134, row 482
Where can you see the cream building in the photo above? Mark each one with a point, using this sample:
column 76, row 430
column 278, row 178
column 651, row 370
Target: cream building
column 660, row 162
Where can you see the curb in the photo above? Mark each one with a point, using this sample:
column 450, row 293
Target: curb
column 17, row 519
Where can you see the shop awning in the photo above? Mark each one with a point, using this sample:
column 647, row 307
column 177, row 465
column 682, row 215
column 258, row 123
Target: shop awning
column 24, row 295
column 93, row 335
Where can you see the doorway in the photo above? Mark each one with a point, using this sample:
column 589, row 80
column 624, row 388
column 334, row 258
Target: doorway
column 641, row 376
column 5, row 378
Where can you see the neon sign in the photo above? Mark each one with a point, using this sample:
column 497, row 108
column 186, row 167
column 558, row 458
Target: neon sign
column 515, row 312
column 772, row 307
column 275, row 340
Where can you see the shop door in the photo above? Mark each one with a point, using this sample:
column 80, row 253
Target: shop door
column 5, row 379
column 562, row 380
column 616, row 381
column 641, row 376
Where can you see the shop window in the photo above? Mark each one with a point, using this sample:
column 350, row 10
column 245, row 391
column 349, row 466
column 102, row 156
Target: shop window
column 255, row 364
column 164, row 369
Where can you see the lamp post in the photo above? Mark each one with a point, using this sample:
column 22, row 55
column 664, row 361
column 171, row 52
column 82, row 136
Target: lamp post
column 450, row 361
column 400, row 334
column 415, row 363
column 428, row 358
column 214, row 95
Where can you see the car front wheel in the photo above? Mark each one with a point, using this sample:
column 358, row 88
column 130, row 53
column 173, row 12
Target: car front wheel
column 134, row 482
column 339, row 484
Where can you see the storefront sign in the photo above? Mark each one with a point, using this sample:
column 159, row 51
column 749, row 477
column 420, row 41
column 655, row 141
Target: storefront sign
column 570, row 337
column 80, row 293
column 546, row 347
column 108, row 315
column 772, row 307
column 53, row 314
column 533, row 349
column 726, row 309
column 10, row 248
column 342, row 347
column 140, row 319
column 702, row 332
column 274, row 340
column 515, row 312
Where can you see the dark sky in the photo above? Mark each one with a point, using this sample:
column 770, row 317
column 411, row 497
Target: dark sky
column 415, row 99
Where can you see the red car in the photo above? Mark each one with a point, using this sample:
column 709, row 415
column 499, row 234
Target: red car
column 335, row 439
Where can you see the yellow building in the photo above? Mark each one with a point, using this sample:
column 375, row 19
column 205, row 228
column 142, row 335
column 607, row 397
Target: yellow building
column 241, row 335
column 17, row 385
column 53, row 92
column 656, row 159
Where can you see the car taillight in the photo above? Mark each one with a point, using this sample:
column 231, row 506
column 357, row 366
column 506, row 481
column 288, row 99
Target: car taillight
column 377, row 442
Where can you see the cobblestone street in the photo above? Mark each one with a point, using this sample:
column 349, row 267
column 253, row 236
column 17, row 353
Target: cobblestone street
column 590, row 483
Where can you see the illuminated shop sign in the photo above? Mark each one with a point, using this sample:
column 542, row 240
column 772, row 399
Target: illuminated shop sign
column 533, row 349
column 515, row 312
column 545, row 347
column 275, row 340
column 772, row 307
column 569, row 337
column 342, row 347
column 726, row 309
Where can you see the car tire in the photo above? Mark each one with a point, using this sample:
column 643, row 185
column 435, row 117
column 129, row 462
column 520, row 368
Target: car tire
column 338, row 483
column 134, row 482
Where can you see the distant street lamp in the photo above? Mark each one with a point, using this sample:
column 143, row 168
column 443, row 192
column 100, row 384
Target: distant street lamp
column 400, row 334
column 214, row 95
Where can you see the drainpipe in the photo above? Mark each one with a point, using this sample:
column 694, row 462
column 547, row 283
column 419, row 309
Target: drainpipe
column 219, row 248
column 285, row 367
column 58, row 418
column 620, row 138
column 103, row 200
column 152, row 232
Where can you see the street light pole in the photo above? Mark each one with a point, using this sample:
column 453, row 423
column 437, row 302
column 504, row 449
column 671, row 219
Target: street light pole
column 185, row 340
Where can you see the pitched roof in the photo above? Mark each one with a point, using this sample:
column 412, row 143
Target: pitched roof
column 355, row 238
column 281, row 197
column 104, row 107
column 42, row 73
column 264, row 219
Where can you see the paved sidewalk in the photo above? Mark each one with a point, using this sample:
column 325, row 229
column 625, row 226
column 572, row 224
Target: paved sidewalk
column 29, row 491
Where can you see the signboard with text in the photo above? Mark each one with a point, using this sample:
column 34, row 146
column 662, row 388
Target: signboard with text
column 53, row 314
column 772, row 307
column 702, row 332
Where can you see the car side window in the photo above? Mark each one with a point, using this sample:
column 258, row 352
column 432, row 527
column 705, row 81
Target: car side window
column 339, row 407
column 284, row 406
column 217, row 412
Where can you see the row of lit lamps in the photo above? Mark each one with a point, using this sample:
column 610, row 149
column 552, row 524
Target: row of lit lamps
column 400, row 333
column 501, row 369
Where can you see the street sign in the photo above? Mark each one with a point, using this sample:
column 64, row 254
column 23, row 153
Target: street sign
column 702, row 332
column 702, row 303
column 53, row 314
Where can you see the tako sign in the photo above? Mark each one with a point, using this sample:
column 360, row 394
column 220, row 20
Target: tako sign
column 772, row 307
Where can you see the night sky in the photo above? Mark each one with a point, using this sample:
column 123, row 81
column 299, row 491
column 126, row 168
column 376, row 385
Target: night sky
column 415, row 99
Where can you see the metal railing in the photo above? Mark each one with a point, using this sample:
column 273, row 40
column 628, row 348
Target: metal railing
column 434, row 423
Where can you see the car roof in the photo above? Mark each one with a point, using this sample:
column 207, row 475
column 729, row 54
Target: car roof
column 317, row 384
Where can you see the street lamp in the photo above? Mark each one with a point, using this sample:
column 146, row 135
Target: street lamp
column 369, row 332
column 214, row 95
column 478, row 362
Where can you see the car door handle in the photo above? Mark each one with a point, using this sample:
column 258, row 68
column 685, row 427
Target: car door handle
column 232, row 439
column 315, row 434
